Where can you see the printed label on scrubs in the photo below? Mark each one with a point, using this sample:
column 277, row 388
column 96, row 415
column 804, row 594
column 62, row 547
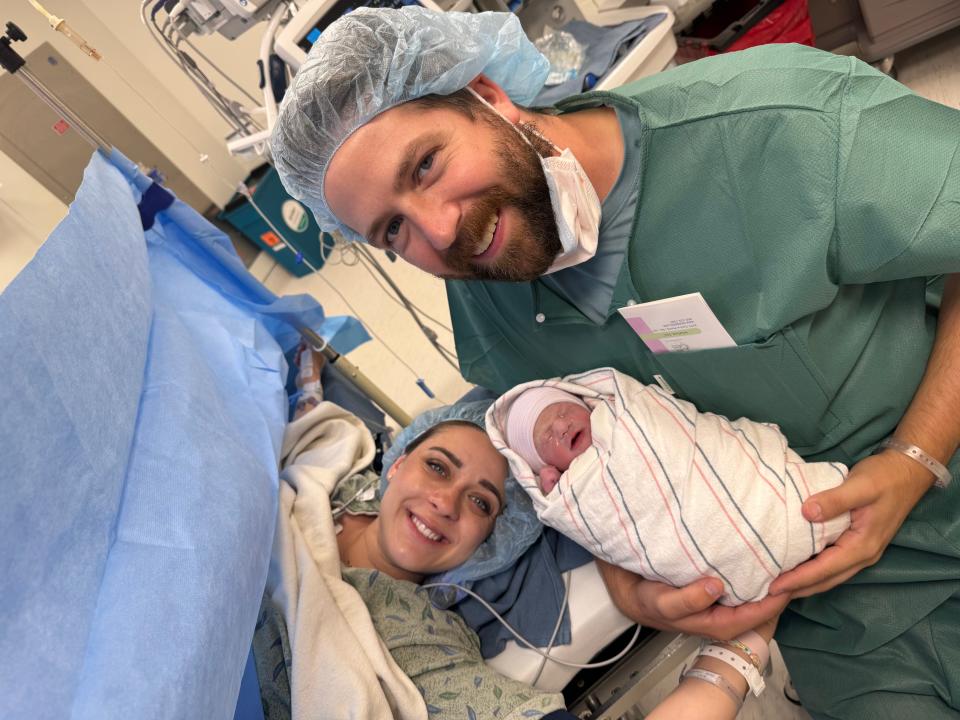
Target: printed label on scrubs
column 294, row 215
column 677, row 324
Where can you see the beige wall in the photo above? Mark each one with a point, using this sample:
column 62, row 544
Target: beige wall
column 141, row 82
column 28, row 212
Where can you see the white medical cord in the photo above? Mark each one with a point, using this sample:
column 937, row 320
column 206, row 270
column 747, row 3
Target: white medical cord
column 166, row 47
column 365, row 254
column 556, row 628
column 216, row 67
column 340, row 252
column 402, row 300
column 530, row 645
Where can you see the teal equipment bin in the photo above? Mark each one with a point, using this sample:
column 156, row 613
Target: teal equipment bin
column 292, row 219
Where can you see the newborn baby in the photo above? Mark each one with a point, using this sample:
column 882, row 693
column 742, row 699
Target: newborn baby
column 645, row 481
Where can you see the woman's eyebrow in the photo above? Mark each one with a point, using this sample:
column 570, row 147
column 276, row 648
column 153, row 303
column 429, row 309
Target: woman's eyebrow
column 459, row 464
column 450, row 456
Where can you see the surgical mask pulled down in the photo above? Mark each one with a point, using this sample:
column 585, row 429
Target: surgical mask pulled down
column 576, row 206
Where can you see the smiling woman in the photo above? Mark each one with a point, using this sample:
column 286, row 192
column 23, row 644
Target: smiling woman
column 443, row 498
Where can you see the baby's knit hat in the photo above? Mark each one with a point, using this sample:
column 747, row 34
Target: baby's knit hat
column 523, row 416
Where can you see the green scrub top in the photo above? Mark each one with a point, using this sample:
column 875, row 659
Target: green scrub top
column 812, row 201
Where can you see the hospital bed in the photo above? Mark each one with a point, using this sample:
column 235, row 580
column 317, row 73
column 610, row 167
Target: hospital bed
column 144, row 400
column 142, row 421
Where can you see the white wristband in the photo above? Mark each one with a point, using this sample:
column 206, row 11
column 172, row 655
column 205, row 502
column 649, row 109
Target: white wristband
column 716, row 680
column 939, row 470
column 744, row 667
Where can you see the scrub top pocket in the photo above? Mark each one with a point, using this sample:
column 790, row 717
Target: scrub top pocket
column 766, row 381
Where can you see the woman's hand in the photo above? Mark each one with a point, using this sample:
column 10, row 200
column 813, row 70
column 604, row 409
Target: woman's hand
column 689, row 609
column 879, row 493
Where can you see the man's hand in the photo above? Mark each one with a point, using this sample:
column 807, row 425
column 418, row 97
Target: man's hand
column 878, row 493
column 689, row 609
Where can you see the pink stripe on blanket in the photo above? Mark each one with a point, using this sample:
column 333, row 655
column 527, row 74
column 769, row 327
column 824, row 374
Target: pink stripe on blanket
column 720, row 502
column 733, row 522
column 623, row 524
column 663, row 496
column 756, row 467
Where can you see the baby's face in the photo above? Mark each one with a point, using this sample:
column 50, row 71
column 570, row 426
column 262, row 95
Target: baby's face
column 561, row 433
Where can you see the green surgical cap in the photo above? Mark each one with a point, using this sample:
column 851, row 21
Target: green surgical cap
column 374, row 59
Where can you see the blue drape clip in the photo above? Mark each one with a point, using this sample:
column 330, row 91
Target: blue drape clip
column 426, row 391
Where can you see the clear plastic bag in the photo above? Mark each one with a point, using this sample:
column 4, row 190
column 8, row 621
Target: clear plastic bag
column 565, row 54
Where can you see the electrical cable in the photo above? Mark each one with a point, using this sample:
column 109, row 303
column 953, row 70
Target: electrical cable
column 365, row 252
column 168, row 51
column 430, row 334
column 556, row 628
column 248, row 195
column 531, row 646
column 199, row 79
column 216, row 100
column 216, row 67
column 236, row 108
column 403, row 302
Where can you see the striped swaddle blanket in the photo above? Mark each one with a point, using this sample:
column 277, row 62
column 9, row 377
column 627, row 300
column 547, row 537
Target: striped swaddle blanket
column 674, row 494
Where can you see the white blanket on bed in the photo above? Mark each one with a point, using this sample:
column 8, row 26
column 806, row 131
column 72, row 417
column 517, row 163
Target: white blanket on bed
column 341, row 668
column 674, row 494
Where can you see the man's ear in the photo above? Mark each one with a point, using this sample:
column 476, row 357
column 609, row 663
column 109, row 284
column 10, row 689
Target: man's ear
column 496, row 96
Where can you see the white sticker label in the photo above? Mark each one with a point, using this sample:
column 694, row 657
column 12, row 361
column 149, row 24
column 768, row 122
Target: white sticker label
column 294, row 215
column 677, row 324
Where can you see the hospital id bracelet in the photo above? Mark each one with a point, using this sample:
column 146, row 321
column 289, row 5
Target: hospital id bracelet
column 938, row 469
column 744, row 667
column 716, row 680
column 736, row 644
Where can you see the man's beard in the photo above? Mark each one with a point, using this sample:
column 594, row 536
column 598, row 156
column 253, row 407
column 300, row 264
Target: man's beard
column 534, row 242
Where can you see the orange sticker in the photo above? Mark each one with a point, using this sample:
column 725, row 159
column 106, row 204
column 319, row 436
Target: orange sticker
column 270, row 238
column 60, row 127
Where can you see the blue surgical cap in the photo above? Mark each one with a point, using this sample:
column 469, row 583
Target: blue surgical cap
column 374, row 59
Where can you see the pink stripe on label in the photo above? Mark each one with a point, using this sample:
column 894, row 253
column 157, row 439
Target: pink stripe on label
column 641, row 328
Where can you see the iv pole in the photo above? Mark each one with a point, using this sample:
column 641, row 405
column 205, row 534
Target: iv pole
column 13, row 63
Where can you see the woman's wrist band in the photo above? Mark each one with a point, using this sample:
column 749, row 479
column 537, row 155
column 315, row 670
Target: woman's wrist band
column 754, row 658
column 716, row 680
column 744, row 667
column 939, row 470
column 756, row 645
